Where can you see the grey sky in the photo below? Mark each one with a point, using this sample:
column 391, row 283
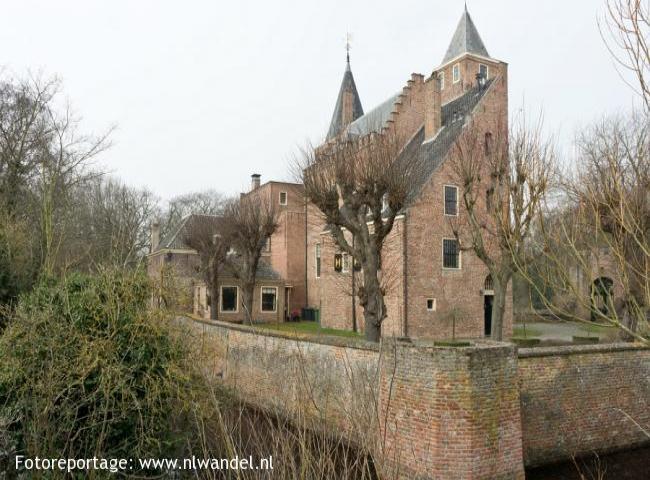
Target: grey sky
column 204, row 93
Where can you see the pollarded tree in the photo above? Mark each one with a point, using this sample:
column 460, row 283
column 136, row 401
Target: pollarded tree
column 503, row 183
column 248, row 222
column 204, row 234
column 360, row 184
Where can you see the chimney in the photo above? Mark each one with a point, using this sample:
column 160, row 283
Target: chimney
column 155, row 235
column 255, row 181
column 432, row 107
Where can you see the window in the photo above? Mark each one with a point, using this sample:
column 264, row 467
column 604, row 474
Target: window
column 229, row 299
column 450, row 254
column 269, row 299
column 283, row 198
column 483, row 71
column 455, row 73
column 488, row 143
column 441, row 76
column 345, row 265
column 338, row 262
column 318, row 260
column 451, row 200
column 431, row 304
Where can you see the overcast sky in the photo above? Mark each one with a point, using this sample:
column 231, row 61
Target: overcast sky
column 204, row 93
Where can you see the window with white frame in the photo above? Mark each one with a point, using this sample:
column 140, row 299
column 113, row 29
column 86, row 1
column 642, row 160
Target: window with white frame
column 451, row 200
column 431, row 304
column 450, row 254
column 455, row 73
column 441, row 77
column 283, row 198
column 483, row 70
column 267, row 245
column 346, row 260
column 269, row 299
column 229, row 298
column 318, row 260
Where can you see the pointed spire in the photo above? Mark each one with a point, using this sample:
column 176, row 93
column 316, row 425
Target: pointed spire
column 466, row 39
column 348, row 104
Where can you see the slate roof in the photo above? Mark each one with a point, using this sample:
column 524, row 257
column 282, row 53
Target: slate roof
column 337, row 124
column 175, row 237
column 431, row 154
column 375, row 119
column 465, row 40
column 175, row 240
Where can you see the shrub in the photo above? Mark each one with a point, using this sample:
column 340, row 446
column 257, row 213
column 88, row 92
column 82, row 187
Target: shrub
column 88, row 370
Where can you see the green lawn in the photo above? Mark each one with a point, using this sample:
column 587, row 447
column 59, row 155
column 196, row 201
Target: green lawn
column 308, row 328
column 518, row 331
column 595, row 327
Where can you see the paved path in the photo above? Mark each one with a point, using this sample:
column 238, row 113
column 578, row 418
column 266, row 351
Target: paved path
column 563, row 331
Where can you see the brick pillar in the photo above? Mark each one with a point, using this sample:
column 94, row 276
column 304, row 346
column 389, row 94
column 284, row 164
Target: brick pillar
column 450, row 412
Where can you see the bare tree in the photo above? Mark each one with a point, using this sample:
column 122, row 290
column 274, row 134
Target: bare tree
column 360, row 184
column 626, row 33
column 23, row 128
column 602, row 231
column 248, row 223
column 208, row 202
column 62, row 164
column 504, row 180
column 205, row 234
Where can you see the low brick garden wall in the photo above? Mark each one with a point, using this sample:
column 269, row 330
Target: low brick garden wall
column 580, row 399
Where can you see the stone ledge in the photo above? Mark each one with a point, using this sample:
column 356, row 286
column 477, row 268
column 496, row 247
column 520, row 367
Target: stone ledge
column 579, row 349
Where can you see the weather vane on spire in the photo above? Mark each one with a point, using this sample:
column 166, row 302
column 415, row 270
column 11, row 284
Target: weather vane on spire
column 348, row 39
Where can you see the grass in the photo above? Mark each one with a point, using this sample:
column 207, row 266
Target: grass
column 596, row 328
column 308, row 328
column 518, row 331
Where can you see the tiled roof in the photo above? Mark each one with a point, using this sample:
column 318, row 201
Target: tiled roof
column 337, row 124
column 465, row 40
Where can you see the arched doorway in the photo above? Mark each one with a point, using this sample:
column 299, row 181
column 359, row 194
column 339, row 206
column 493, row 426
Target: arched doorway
column 601, row 297
column 488, row 301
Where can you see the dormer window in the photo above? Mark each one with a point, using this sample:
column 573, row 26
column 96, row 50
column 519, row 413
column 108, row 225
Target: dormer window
column 455, row 73
column 483, row 70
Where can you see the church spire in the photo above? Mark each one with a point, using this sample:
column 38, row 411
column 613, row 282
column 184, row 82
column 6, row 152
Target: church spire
column 466, row 39
column 348, row 104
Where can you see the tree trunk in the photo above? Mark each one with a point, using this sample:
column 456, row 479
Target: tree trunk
column 248, row 290
column 214, row 301
column 371, row 297
column 499, row 307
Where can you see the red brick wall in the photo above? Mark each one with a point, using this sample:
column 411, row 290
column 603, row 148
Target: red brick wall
column 575, row 400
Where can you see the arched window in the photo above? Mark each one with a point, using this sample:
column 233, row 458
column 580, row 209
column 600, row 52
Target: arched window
column 488, row 284
column 601, row 297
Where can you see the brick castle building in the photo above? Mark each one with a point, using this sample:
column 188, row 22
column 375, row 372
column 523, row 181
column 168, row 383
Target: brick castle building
column 433, row 287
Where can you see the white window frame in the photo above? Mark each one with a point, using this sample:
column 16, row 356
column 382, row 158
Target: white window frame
column 262, row 302
column 487, row 69
column 346, row 260
column 286, row 198
column 441, row 76
column 455, row 69
column 236, row 310
column 433, row 305
column 318, row 255
column 460, row 255
column 444, row 201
